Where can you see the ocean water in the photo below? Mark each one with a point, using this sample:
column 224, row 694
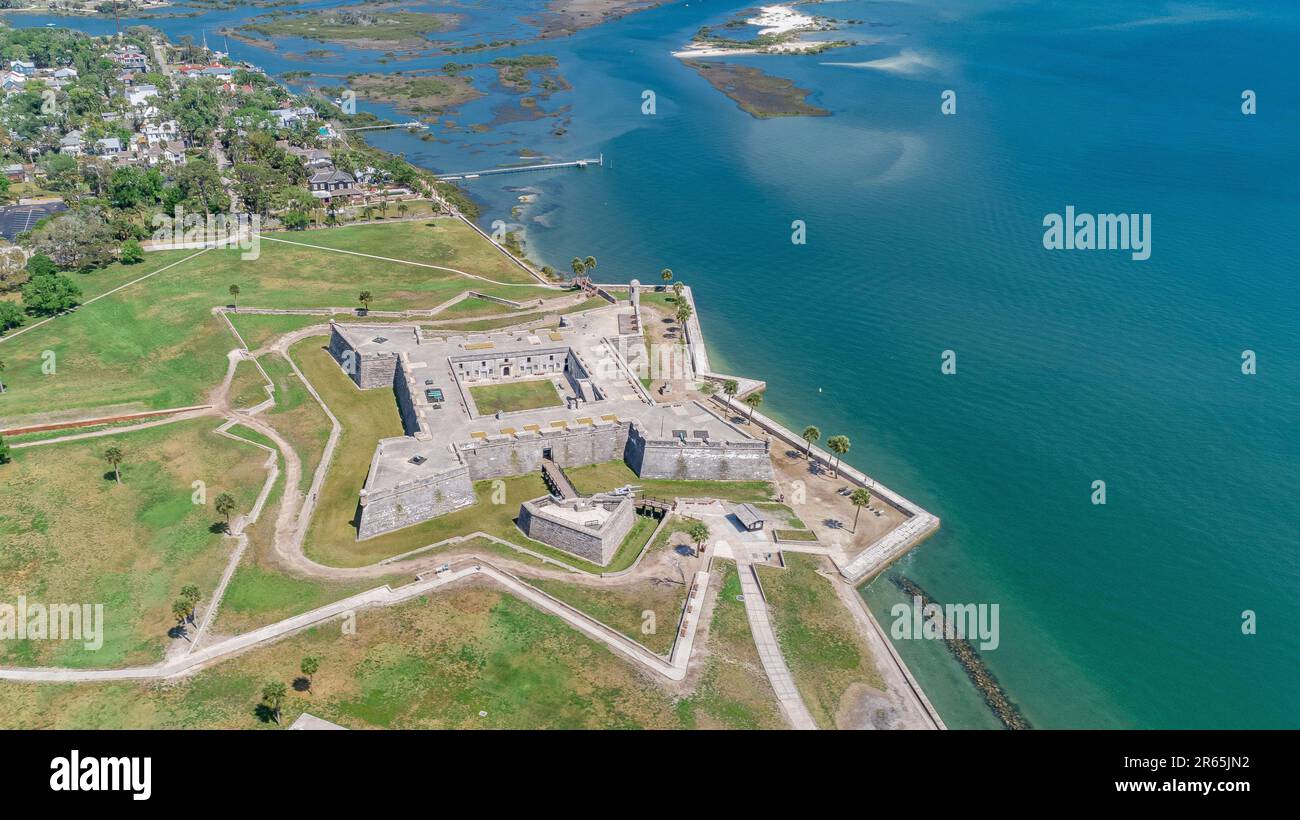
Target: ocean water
column 924, row 236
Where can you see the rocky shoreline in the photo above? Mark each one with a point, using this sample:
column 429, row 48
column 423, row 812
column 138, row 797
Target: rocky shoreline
column 993, row 693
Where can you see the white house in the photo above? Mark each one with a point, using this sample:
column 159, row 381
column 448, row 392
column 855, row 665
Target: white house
column 290, row 117
column 24, row 67
column 174, row 152
column 165, row 131
column 71, row 143
column 138, row 95
column 108, row 147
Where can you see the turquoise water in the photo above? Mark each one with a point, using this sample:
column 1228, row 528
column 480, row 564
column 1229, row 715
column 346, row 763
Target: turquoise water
column 924, row 235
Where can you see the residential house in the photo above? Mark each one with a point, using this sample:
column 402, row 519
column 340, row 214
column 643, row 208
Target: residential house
column 130, row 58
column 71, row 143
column 165, row 131
column 174, row 152
column 331, row 184
column 108, row 147
column 138, row 95
column 292, row 117
column 23, row 67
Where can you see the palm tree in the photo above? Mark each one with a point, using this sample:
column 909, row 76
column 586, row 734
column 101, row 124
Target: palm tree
column 577, row 267
column 234, row 294
column 402, row 208
column 589, row 263
column 367, row 212
column 861, row 497
column 678, row 287
column 731, row 387
column 181, row 611
column 225, row 506
column 113, row 455
column 699, row 533
column 273, row 698
column 364, row 299
column 183, row 607
column 667, row 275
column 683, row 313
column 708, row 388
column 810, row 434
column 839, row 445
column 309, row 667
column 753, row 400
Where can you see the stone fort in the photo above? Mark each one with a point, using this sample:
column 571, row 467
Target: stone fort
column 601, row 413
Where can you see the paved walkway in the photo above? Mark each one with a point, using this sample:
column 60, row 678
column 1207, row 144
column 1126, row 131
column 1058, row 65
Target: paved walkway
column 386, row 596
column 769, row 651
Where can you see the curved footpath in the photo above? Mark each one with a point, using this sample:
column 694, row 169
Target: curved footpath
column 295, row 514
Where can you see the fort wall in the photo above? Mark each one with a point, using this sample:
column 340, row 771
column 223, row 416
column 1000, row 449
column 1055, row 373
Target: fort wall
column 595, row 544
column 698, row 460
column 575, row 447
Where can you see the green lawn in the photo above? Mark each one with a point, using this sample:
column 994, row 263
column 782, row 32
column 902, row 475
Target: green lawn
column 435, row 662
column 733, row 692
column 624, row 607
column 156, row 344
column 506, row 398
column 296, row 415
column 70, row 534
column 475, row 306
column 818, row 636
column 606, row 476
column 366, row 416
column 248, row 388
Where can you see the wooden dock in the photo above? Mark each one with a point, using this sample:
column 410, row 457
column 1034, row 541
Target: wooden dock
column 515, row 169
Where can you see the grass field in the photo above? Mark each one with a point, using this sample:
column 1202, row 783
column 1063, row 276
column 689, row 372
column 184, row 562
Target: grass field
column 603, row 477
column 818, row 636
column 624, row 607
column 507, row 398
column 435, row 662
column 297, row 416
column 156, row 344
column 366, row 416
column 247, row 388
column 70, row 534
column 733, row 692
column 475, row 306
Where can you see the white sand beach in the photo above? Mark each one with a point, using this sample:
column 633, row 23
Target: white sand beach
column 780, row 19
column 772, row 20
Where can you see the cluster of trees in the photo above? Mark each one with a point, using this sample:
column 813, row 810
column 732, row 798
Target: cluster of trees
column 267, row 177
column 275, row 692
column 45, row 291
column 183, row 606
